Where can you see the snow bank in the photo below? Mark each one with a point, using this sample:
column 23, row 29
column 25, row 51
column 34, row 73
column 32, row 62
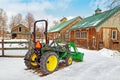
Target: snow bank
column 108, row 53
column 15, row 52
column 23, row 45
column 103, row 52
column 18, row 40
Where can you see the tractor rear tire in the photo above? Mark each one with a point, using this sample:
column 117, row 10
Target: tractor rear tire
column 48, row 62
column 68, row 60
column 30, row 58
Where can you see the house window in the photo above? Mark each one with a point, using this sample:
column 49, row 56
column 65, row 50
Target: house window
column 67, row 36
column 114, row 34
column 19, row 29
column 77, row 34
column 83, row 35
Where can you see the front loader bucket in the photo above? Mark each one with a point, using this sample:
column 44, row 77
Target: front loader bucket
column 77, row 56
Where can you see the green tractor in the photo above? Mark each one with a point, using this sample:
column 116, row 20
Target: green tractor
column 47, row 56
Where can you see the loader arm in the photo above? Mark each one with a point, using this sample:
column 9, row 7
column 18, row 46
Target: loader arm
column 72, row 44
column 76, row 55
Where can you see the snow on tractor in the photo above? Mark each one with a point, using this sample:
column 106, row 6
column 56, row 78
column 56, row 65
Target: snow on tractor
column 47, row 56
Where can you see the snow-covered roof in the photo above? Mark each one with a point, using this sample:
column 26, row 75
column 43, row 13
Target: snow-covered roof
column 95, row 20
column 61, row 25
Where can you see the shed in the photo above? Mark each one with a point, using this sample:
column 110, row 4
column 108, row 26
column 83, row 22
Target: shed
column 20, row 32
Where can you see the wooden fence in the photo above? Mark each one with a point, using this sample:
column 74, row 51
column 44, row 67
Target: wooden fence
column 3, row 47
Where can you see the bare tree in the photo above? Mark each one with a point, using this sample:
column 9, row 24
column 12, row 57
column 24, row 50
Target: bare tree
column 113, row 3
column 30, row 20
column 12, row 22
column 3, row 22
column 19, row 19
column 55, row 22
column 29, row 23
column 38, row 33
column 16, row 20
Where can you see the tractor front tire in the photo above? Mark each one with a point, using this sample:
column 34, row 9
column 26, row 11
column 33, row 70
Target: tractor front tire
column 68, row 60
column 48, row 62
column 30, row 58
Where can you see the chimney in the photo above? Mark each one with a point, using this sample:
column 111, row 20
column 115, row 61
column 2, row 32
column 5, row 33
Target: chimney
column 63, row 20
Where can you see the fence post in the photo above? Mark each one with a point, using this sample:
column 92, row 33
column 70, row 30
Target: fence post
column 2, row 47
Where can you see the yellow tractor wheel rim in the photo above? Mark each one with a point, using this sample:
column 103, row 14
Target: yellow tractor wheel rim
column 33, row 57
column 70, row 60
column 51, row 63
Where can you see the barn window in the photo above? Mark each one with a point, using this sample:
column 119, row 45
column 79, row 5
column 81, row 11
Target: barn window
column 77, row 34
column 114, row 34
column 83, row 34
column 19, row 29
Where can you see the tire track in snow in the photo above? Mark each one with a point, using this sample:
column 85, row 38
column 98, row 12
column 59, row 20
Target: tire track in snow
column 109, row 76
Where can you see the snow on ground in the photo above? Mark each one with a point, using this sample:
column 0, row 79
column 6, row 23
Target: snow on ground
column 97, row 65
column 16, row 52
column 94, row 67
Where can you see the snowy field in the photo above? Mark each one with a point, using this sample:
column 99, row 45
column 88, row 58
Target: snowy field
column 97, row 65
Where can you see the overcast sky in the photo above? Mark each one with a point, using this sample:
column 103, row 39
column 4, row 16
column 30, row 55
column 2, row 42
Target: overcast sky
column 52, row 9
